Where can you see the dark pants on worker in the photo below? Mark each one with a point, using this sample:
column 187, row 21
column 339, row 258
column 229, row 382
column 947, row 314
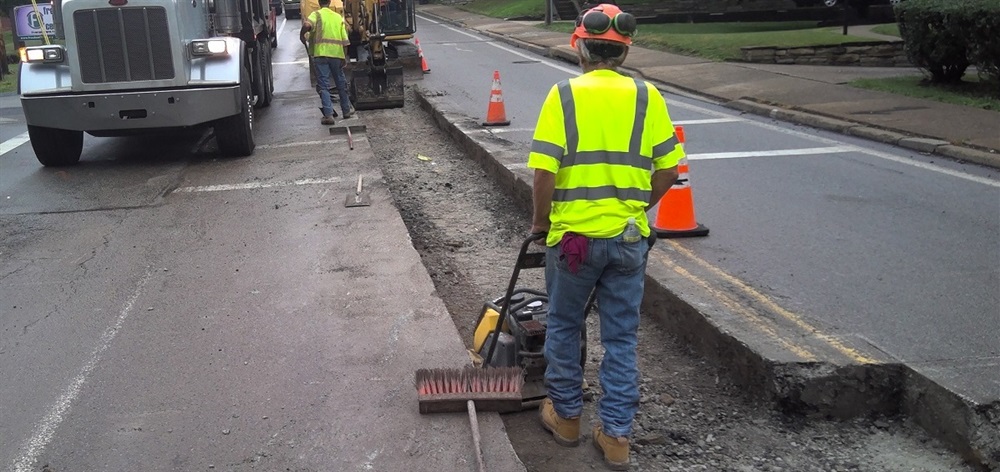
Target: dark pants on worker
column 325, row 67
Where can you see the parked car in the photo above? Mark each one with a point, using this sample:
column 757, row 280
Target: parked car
column 293, row 8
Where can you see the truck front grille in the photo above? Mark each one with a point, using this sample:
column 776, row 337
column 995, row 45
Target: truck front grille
column 123, row 44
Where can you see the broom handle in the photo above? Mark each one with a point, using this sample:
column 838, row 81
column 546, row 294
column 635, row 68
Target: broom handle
column 471, row 406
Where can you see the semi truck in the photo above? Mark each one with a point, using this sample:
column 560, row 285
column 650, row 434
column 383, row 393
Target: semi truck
column 126, row 67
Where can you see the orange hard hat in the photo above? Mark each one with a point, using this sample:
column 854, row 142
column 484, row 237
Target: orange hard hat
column 605, row 21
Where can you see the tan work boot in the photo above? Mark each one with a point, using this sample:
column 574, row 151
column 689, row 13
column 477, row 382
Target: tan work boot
column 566, row 431
column 615, row 449
column 327, row 120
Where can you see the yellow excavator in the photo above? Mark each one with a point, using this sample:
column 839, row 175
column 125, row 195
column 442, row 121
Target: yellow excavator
column 375, row 72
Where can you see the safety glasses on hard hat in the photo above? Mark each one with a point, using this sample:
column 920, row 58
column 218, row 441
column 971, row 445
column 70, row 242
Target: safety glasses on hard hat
column 597, row 22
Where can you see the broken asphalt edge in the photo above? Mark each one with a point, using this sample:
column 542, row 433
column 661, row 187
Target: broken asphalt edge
column 819, row 389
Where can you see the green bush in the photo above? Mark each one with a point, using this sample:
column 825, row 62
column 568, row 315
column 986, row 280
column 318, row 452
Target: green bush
column 984, row 39
column 935, row 36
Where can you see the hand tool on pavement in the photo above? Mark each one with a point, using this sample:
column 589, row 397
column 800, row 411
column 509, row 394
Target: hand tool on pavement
column 359, row 198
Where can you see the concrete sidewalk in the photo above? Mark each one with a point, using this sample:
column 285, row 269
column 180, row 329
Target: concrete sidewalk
column 811, row 95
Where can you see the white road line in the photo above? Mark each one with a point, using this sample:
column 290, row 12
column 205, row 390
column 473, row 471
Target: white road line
column 776, row 152
column 281, row 28
column 306, row 143
column 10, row 144
column 708, row 121
column 737, row 155
column 47, row 427
column 882, row 155
column 255, row 185
column 504, row 130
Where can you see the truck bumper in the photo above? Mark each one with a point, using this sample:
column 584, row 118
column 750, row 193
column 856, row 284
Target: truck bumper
column 132, row 110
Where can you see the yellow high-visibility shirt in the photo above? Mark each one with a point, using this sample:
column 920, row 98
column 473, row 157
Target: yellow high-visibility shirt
column 602, row 134
column 328, row 28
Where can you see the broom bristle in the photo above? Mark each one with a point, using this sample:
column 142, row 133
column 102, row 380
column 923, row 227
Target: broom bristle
column 469, row 380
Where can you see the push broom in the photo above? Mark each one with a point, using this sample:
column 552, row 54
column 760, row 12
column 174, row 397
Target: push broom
column 469, row 389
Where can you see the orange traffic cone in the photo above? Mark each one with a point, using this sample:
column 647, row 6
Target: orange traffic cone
column 495, row 114
column 423, row 60
column 675, row 215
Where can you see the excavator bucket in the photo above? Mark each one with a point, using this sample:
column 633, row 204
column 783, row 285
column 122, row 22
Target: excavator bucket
column 373, row 88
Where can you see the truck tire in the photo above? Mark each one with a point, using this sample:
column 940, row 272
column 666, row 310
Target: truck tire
column 56, row 147
column 234, row 134
column 266, row 92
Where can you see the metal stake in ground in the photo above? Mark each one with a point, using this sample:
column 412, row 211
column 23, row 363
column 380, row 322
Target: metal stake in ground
column 358, row 199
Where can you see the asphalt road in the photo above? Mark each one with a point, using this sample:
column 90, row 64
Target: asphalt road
column 861, row 240
column 127, row 307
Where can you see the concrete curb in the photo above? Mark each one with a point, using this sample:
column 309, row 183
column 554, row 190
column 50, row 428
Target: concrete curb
column 827, row 388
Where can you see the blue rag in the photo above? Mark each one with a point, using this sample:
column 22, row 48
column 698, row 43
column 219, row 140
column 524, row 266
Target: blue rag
column 573, row 249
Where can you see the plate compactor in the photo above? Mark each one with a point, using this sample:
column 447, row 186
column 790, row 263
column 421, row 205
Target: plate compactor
column 510, row 331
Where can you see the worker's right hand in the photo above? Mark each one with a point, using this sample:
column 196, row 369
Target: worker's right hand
column 539, row 235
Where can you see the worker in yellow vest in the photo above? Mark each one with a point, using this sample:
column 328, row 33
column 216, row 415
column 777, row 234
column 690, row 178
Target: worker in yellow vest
column 307, row 7
column 604, row 152
column 325, row 35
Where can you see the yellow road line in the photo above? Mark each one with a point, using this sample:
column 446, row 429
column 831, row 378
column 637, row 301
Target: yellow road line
column 759, row 323
column 851, row 353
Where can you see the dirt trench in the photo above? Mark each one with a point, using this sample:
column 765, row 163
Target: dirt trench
column 468, row 232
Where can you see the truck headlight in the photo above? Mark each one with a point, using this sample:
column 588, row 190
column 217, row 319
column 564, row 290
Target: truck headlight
column 209, row 47
column 52, row 53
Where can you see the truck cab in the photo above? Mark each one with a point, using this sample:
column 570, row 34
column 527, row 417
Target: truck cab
column 128, row 67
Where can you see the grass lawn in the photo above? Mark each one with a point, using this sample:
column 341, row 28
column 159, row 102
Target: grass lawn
column 722, row 41
column 971, row 92
column 9, row 82
column 891, row 29
column 505, row 8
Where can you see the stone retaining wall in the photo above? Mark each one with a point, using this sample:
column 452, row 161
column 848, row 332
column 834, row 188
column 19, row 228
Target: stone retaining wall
column 869, row 54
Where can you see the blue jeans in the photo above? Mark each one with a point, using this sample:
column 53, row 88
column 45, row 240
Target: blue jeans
column 325, row 66
column 616, row 270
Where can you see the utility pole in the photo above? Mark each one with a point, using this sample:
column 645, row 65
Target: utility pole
column 548, row 12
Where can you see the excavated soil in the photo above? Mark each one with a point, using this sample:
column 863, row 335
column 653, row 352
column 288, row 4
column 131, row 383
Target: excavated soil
column 468, row 232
